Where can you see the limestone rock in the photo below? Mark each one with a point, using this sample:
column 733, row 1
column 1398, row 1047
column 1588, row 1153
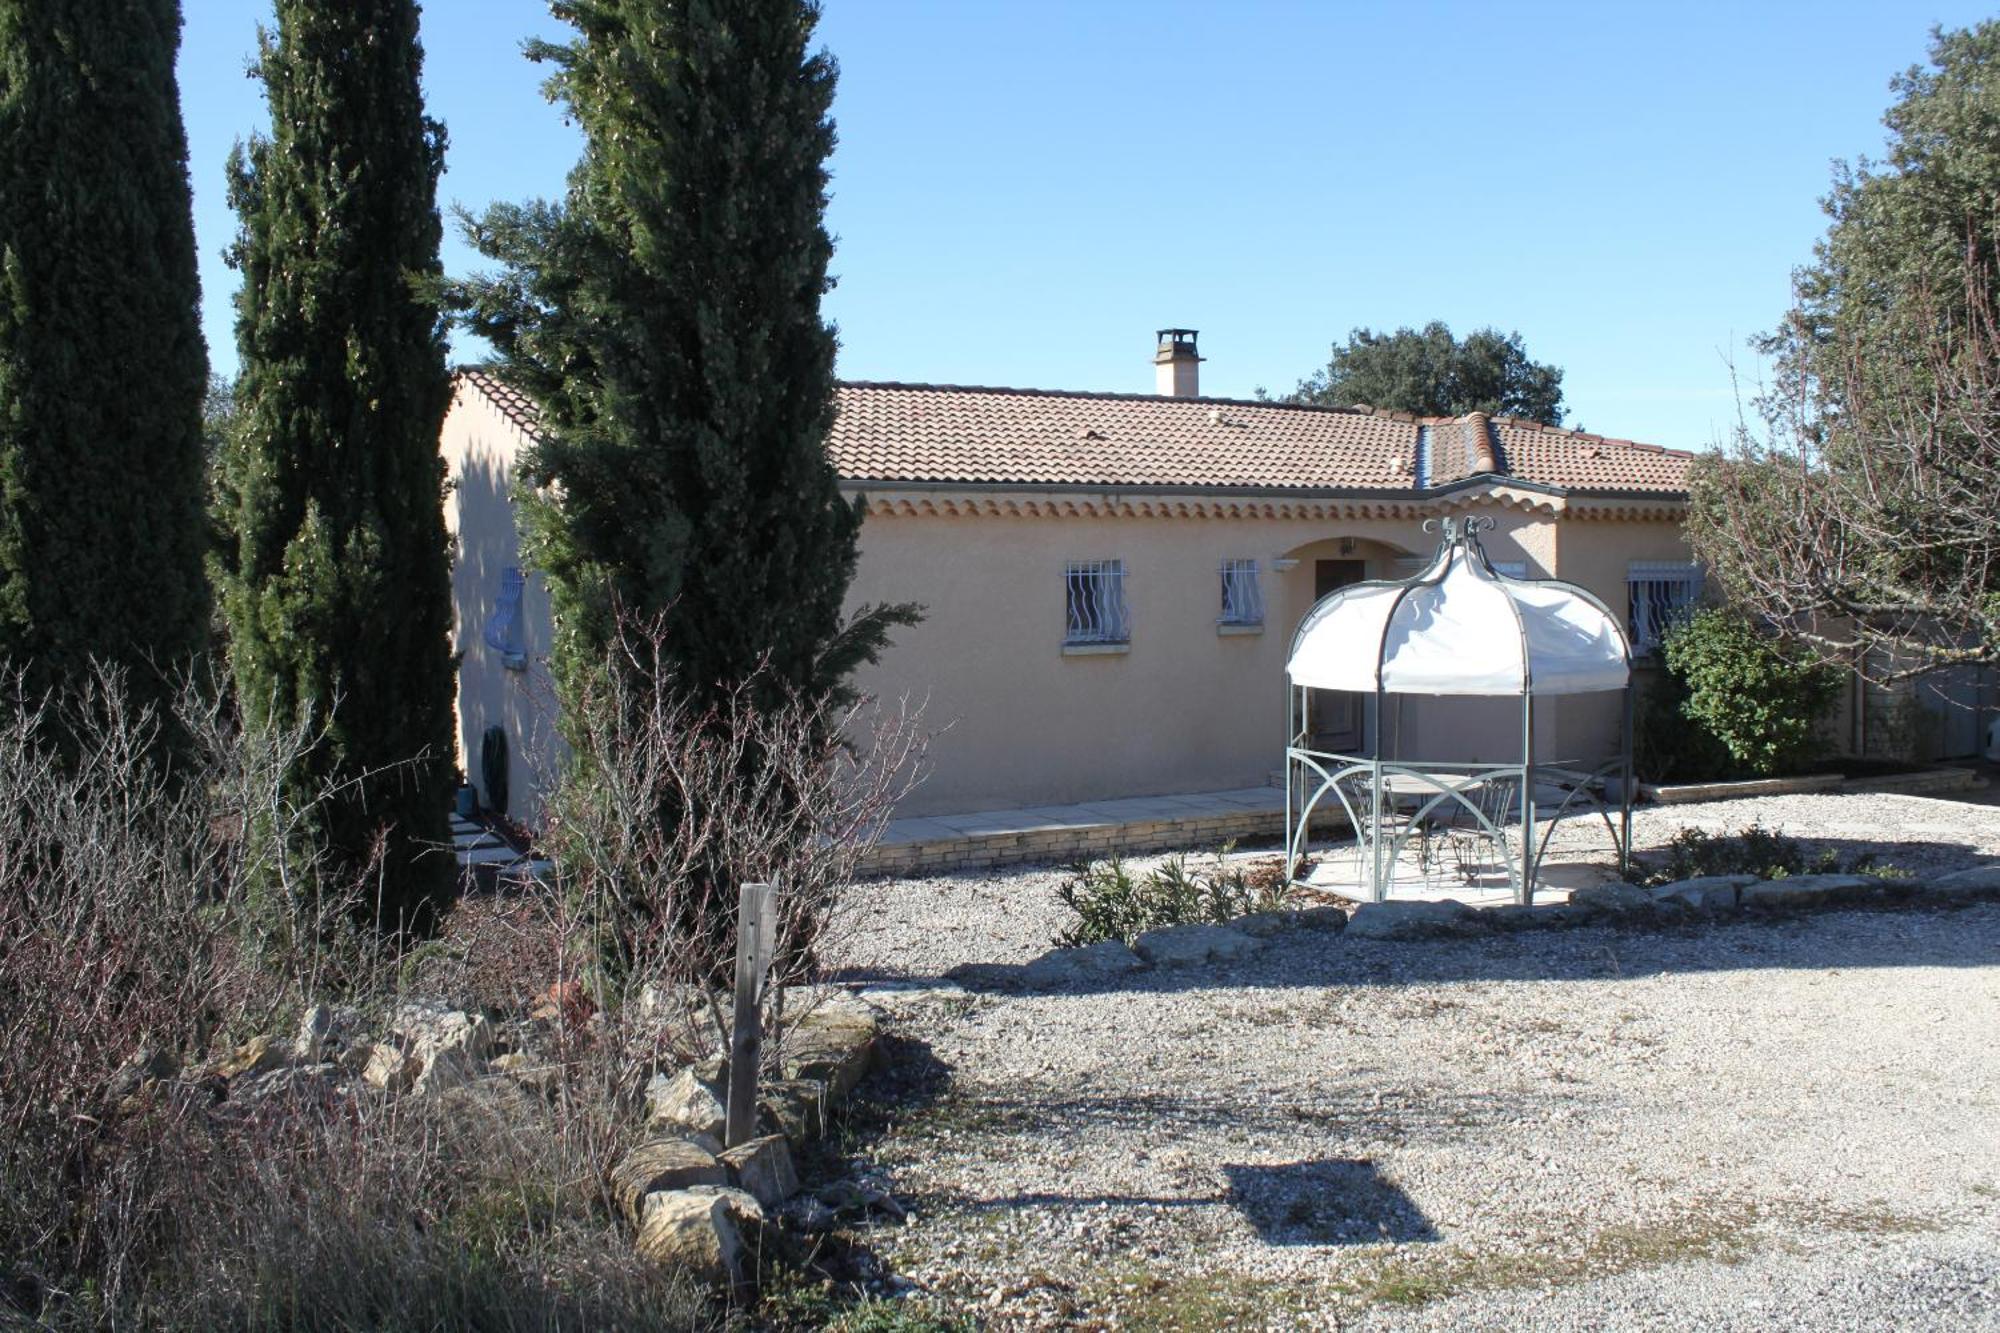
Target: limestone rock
column 702, row 1232
column 1616, row 898
column 832, row 1044
column 1404, row 918
column 762, row 1168
column 695, row 1100
column 1806, row 890
column 314, row 1025
column 1707, row 893
column 809, row 1215
column 390, row 1067
column 795, row 1108
column 146, row 1067
column 1968, row 883
column 254, row 1056
column 1091, row 962
column 432, row 1026
column 293, row 1085
column 536, row 1075
column 442, row 1068
column 1263, row 925
column 1533, row 916
column 901, row 998
column 661, row 1164
column 1182, row 946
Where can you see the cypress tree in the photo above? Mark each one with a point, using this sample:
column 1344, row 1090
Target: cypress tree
column 666, row 318
column 102, row 366
column 335, row 578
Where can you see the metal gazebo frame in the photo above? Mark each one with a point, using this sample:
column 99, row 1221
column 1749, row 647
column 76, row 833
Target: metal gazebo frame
column 1455, row 784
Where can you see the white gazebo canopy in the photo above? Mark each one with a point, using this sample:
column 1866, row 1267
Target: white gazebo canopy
column 1461, row 627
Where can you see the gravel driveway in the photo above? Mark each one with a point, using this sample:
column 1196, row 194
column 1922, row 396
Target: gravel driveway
column 1761, row 1124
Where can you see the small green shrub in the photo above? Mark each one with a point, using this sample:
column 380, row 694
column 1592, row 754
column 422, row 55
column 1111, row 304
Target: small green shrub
column 1112, row 903
column 1762, row 699
column 1755, row 850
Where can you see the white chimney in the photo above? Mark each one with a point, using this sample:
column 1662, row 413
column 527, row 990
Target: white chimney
column 1176, row 367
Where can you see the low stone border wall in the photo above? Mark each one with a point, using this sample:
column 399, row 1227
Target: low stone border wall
column 1687, row 793
column 977, row 851
column 1922, row 782
column 1684, row 901
column 705, row 1209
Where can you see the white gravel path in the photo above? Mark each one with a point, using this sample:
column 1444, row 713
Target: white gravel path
column 1756, row 1124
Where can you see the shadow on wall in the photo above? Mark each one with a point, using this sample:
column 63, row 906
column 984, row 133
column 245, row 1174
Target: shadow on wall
column 503, row 656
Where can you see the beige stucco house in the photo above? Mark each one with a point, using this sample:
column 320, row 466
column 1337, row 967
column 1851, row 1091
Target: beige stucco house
column 1111, row 580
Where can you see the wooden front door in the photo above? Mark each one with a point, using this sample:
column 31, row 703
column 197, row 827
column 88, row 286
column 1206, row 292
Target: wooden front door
column 1336, row 714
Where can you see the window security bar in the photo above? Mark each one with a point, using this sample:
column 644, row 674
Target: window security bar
column 1663, row 594
column 1242, row 594
column 1094, row 597
column 503, row 631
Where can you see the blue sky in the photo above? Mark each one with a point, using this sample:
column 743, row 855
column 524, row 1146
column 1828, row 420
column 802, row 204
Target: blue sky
column 1025, row 189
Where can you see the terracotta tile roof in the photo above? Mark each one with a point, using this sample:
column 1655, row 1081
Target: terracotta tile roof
column 909, row 432
column 1588, row 462
column 924, row 432
column 516, row 406
column 954, row 433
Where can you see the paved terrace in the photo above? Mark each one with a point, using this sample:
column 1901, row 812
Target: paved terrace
column 1199, row 820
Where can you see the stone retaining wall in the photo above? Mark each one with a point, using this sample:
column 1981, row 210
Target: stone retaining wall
column 1083, row 842
column 1923, row 782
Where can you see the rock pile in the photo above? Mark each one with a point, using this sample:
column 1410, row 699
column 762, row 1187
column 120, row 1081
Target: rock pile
column 691, row 1202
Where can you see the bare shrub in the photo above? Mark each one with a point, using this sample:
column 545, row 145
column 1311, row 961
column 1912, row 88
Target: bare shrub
column 142, row 934
column 670, row 807
column 1859, row 520
column 121, row 907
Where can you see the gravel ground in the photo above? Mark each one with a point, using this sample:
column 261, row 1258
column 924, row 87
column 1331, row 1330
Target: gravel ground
column 1762, row 1124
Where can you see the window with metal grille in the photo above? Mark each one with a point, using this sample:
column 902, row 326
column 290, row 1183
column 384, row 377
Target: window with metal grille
column 503, row 627
column 1242, row 594
column 1663, row 593
column 1094, row 598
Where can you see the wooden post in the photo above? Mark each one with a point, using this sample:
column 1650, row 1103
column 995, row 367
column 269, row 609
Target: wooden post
column 756, row 940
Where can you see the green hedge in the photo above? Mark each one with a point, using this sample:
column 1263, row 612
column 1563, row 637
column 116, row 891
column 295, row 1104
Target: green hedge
column 1735, row 701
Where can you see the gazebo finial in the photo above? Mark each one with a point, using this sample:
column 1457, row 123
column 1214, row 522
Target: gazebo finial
column 1465, row 528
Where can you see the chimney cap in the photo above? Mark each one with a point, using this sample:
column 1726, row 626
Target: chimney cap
column 1177, row 345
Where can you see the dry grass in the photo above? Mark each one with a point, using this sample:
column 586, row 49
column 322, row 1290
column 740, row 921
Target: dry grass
column 140, row 936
